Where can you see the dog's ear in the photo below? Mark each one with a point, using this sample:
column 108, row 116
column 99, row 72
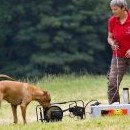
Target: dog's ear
column 46, row 95
column 44, row 92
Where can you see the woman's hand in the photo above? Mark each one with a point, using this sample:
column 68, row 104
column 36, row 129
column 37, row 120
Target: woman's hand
column 113, row 43
column 127, row 54
column 114, row 46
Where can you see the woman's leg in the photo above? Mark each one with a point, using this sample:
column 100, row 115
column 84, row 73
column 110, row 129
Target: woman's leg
column 115, row 76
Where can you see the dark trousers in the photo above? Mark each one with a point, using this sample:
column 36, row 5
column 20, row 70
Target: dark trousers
column 115, row 76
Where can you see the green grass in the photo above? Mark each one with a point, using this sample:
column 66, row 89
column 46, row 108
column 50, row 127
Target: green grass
column 65, row 88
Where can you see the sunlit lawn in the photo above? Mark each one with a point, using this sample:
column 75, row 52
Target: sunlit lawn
column 66, row 88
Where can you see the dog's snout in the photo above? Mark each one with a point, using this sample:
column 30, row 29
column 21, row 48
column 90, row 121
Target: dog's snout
column 45, row 104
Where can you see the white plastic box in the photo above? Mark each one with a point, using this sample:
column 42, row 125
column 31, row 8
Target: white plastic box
column 110, row 110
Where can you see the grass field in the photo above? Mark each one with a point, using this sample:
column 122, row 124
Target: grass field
column 66, row 88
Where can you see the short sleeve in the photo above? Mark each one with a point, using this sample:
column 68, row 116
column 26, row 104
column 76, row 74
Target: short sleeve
column 111, row 22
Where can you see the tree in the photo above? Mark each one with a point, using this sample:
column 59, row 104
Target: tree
column 53, row 36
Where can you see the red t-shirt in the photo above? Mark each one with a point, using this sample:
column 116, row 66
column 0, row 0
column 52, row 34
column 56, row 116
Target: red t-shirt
column 121, row 33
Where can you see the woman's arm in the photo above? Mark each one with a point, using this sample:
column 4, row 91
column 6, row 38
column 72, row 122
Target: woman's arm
column 127, row 53
column 112, row 42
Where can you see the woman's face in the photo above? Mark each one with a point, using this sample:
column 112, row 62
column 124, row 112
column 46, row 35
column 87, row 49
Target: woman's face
column 117, row 11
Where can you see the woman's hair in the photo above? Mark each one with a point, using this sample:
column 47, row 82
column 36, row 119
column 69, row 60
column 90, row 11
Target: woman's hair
column 119, row 3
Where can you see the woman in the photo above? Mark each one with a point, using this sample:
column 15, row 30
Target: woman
column 119, row 40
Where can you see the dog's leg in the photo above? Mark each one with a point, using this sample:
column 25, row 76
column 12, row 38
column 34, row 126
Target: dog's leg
column 23, row 110
column 14, row 110
column 23, row 106
column 1, row 98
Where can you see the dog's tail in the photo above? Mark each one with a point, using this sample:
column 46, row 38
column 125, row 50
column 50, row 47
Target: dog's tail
column 5, row 76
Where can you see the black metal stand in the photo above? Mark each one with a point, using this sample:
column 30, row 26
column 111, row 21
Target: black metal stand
column 55, row 113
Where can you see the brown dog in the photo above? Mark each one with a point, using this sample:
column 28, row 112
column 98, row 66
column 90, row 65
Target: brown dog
column 20, row 93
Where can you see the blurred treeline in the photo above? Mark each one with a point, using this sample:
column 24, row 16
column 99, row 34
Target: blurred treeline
column 40, row 37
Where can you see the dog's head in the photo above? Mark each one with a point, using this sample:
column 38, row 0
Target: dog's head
column 45, row 99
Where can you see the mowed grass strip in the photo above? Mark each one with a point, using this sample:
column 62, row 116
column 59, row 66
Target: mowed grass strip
column 66, row 88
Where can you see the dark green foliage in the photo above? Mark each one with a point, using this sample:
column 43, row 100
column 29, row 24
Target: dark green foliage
column 53, row 36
